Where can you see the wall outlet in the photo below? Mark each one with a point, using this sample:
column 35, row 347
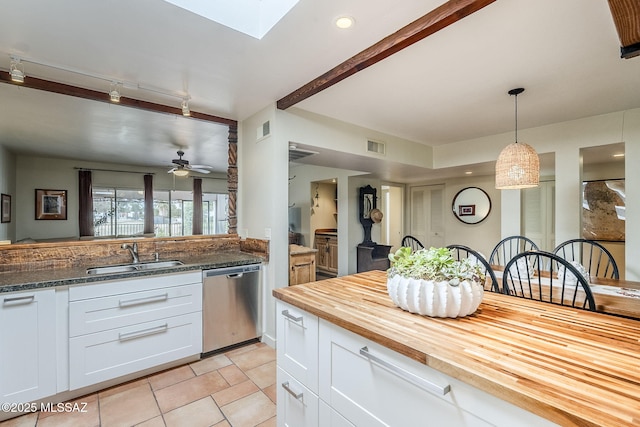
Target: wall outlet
column 267, row 233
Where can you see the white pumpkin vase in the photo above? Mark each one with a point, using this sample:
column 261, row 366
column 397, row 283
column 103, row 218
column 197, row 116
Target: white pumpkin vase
column 457, row 290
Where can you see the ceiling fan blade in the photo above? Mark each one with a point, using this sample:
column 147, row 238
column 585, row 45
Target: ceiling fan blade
column 171, row 170
column 202, row 166
column 199, row 170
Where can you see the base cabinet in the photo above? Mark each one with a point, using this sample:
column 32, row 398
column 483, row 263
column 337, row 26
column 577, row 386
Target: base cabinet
column 27, row 346
column 121, row 327
column 361, row 383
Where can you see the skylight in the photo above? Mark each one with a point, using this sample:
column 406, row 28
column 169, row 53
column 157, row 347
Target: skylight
column 251, row 17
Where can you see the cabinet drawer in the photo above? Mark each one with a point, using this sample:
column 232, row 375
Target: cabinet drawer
column 297, row 347
column 101, row 356
column 328, row 417
column 109, row 312
column 371, row 385
column 297, row 405
column 123, row 286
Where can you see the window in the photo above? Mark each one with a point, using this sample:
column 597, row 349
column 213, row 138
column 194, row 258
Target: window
column 120, row 212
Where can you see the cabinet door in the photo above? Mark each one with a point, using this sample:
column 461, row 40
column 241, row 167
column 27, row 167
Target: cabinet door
column 297, row 347
column 371, row 385
column 328, row 417
column 27, row 346
column 297, row 405
column 332, row 261
column 322, row 256
column 302, row 268
column 104, row 355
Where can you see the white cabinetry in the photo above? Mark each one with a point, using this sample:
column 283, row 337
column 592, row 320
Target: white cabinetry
column 121, row 327
column 361, row 383
column 27, row 346
column 297, row 374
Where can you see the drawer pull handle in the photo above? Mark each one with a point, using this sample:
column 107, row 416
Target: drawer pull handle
column 143, row 333
column 285, row 385
column 145, row 300
column 412, row 378
column 289, row 316
column 22, row 300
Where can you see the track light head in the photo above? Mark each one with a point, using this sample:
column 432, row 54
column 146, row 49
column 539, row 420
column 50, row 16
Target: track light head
column 185, row 108
column 16, row 70
column 114, row 94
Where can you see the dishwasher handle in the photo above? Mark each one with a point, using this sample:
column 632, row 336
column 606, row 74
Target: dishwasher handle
column 232, row 272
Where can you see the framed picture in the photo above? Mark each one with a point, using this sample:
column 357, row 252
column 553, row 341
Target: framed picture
column 5, row 208
column 51, row 204
column 603, row 210
column 466, row 210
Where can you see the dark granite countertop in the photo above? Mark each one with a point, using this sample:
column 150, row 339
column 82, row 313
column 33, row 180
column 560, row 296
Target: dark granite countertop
column 39, row 279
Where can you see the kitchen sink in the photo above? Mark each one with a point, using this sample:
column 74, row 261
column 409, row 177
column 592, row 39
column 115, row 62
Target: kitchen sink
column 127, row 268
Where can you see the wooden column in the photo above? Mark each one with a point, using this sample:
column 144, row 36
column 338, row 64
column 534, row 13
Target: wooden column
column 197, row 206
column 232, row 178
column 148, row 204
column 85, row 192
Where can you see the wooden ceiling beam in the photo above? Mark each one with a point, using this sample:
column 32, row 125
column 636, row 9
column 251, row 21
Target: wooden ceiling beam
column 439, row 18
column 626, row 17
column 94, row 95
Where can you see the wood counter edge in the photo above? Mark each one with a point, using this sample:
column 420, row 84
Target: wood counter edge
column 489, row 385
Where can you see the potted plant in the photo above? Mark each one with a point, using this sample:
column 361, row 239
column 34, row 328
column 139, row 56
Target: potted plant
column 433, row 283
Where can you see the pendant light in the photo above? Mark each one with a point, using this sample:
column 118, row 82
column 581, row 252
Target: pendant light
column 518, row 165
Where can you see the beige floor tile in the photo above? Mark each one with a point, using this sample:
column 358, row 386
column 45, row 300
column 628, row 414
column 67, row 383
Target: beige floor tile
column 153, row 422
column 250, row 411
column 235, row 392
column 201, row 413
column 254, row 358
column 224, row 423
column 88, row 399
column 170, row 377
column 122, row 387
column 71, row 416
column 263, row 375
column 27, row 420
column 210, row 364
column 233, row 374
column 271, row 422
column 271, row 392
column 188, row 391
column 243, row 349
column 128, row 407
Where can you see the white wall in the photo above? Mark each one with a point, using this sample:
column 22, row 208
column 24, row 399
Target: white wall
column 8, row 186
column 33, row 173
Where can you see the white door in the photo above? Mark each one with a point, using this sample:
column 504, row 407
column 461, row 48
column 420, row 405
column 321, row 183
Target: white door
column 392, row 202
column 427, row 214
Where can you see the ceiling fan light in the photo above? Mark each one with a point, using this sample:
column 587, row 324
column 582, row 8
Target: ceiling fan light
column 114, row 95
column 181, row 172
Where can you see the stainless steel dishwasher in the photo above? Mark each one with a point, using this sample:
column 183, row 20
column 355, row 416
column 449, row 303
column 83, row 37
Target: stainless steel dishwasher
column 231, row 306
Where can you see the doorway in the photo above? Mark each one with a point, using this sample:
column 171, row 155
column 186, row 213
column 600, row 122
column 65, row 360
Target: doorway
column 392, row 201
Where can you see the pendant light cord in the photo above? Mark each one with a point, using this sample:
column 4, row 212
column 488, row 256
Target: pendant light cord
column 516, row 118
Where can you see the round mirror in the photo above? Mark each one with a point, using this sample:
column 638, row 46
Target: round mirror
column 471, row 205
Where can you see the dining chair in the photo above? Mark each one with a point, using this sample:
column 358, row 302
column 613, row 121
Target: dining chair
column 510, row 246
column 595, row 258
column 547, row 277
column 461, row 252
column 412, row 242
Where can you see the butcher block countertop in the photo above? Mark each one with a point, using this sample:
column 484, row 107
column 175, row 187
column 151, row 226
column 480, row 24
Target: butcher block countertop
column 570, row 366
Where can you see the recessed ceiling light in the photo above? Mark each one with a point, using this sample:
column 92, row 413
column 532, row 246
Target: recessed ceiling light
column 344, row 22
column 468, row 172
column 618, row 155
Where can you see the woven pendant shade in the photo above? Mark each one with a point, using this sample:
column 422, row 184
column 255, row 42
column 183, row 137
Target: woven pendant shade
column 517, row 167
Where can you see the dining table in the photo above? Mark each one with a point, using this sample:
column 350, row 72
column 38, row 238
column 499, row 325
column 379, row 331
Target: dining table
column 612, row 296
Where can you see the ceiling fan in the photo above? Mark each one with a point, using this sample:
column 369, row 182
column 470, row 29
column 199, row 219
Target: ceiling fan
column 182, row 167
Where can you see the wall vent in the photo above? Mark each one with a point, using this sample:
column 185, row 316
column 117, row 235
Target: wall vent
column 296, row 153
column 376, row 147
column 263, row 130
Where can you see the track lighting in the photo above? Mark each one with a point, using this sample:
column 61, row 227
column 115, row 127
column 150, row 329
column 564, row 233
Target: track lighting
column 185, row 108
column 114, row 95
column 16, row 70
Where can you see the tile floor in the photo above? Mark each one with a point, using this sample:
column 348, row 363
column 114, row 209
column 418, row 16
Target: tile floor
column 232, row 389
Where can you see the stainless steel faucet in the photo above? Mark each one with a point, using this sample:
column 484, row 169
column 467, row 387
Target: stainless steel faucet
column 134, row 251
